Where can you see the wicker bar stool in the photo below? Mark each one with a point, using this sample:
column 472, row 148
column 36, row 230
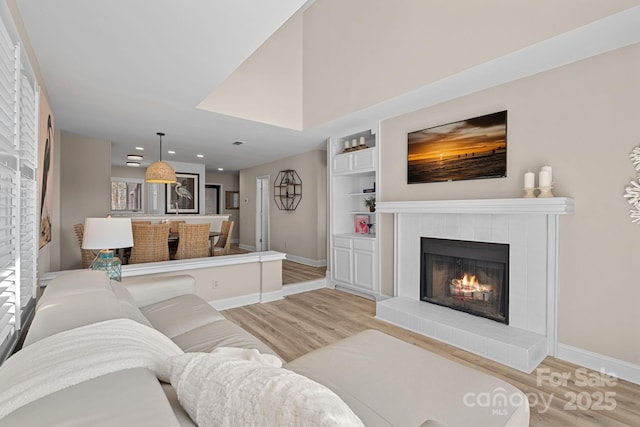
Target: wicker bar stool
column 87, row 254
column 150, row 243
column 223, row 245
column 193, row 241
column 174, row 226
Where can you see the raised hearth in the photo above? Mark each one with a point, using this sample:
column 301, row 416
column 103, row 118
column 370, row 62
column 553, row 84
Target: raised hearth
column 529, row 227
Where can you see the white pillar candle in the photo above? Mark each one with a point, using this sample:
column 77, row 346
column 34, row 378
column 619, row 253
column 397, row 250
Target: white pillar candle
column 529, row 180
column 548, row 170
column 346, row 144
column 544, row 179
column 362, row 140
column 354, row 142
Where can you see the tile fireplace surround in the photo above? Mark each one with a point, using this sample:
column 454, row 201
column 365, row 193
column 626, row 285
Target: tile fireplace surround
column 530, row 227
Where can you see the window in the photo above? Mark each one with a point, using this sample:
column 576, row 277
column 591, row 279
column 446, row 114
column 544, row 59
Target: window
column 126, row 195
column 19, row 231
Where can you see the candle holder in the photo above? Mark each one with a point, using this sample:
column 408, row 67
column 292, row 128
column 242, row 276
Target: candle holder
column 529, row 193
column 545, row 192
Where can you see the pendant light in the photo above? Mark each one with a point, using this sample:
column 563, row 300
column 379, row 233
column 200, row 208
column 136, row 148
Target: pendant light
column 160, row 172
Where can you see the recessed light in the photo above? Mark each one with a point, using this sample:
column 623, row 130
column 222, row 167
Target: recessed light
column 238, row 143
column 220, row 169
column 200, row 155
column 140, row 148
column 134, row 157
column 171, row 152
column 133, row 164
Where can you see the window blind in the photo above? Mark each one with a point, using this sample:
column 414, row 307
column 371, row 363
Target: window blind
column 18, row 191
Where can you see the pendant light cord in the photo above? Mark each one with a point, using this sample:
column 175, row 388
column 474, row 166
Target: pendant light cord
column 160, row 134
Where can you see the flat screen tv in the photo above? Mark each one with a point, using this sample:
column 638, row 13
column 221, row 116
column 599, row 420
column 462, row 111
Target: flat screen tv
column 469, row 149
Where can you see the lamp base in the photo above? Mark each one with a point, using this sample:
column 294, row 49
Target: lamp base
column 105, row 261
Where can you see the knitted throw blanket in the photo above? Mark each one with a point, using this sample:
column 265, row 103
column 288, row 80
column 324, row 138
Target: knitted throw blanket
column 71, row 357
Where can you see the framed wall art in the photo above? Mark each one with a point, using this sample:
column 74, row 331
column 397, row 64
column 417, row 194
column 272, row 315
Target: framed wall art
column 469, row 149
column 183, row 196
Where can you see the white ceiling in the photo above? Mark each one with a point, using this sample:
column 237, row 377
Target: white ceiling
column 122, row 70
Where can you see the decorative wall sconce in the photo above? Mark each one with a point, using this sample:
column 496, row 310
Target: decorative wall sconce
column 287, row 190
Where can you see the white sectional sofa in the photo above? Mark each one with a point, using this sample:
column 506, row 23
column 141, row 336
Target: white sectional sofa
column 384, row 381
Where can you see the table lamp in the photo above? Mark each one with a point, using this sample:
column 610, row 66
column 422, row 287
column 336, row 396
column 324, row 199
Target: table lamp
column 106, row 234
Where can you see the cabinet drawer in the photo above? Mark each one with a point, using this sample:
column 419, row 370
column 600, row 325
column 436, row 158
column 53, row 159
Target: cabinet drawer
column 341, row 242
column 364, row 159
column 364, row 244
column 342, row 163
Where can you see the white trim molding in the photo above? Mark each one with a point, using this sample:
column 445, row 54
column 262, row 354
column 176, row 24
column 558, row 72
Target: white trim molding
column 549, row 206
column 298, row 288
column 307, row 261
column 620, row 368
column 271, row 296
column 233, row 302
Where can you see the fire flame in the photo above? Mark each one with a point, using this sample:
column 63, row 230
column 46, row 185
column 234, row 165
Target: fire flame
column 470, row 288
column 470, row 282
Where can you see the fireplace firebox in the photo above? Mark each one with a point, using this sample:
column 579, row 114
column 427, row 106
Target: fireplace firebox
column 467, row 276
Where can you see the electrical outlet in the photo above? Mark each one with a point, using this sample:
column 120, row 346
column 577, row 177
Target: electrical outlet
column 285, row 244
column 214, row 284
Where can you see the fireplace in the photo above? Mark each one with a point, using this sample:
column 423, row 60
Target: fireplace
column 467, row 276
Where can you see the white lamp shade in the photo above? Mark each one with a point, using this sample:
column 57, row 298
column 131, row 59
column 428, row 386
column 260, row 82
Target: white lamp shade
column 107, row 233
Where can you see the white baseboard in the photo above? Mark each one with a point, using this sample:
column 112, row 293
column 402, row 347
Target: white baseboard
column 620, row 368
column 227, row 303
column 307, row 261
column 247, row 247
column 271, row 296
column 297, row 288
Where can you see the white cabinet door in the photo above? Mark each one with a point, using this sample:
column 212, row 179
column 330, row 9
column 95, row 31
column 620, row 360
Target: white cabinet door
column 342, row 163
column 342, row 265
column 364, row 269
column 363, row 160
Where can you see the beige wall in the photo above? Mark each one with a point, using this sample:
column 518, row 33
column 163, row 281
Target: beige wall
column 216, row 283
column 85, row 185
column 582, row 119
column 360, row 52
column 303, row 232
column 267, row 87
column 229, row 182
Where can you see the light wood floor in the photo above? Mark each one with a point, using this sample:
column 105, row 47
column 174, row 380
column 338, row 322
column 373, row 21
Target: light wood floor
column 292, row 272
column 307, row 321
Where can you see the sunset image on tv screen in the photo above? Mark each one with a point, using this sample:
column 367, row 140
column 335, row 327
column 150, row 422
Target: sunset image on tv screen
column 468, row 149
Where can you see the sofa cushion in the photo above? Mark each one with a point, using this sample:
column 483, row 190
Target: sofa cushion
column 80, row 298
column 180, row 314
column 128, row 304
column 131, row 397
column 147, row 290
column 77, row 282
column 223, row 333
column 57, row 313
column 367, row 369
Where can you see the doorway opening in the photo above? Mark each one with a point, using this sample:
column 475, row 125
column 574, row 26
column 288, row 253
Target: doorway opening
column 262, row 213
column 213, row 199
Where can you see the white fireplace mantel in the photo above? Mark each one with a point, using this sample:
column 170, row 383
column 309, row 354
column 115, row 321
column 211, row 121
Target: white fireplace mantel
column 548, row 206
column 530, row 227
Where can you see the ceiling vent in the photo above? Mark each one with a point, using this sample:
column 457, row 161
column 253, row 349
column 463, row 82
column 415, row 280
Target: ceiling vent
column 238, row 143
